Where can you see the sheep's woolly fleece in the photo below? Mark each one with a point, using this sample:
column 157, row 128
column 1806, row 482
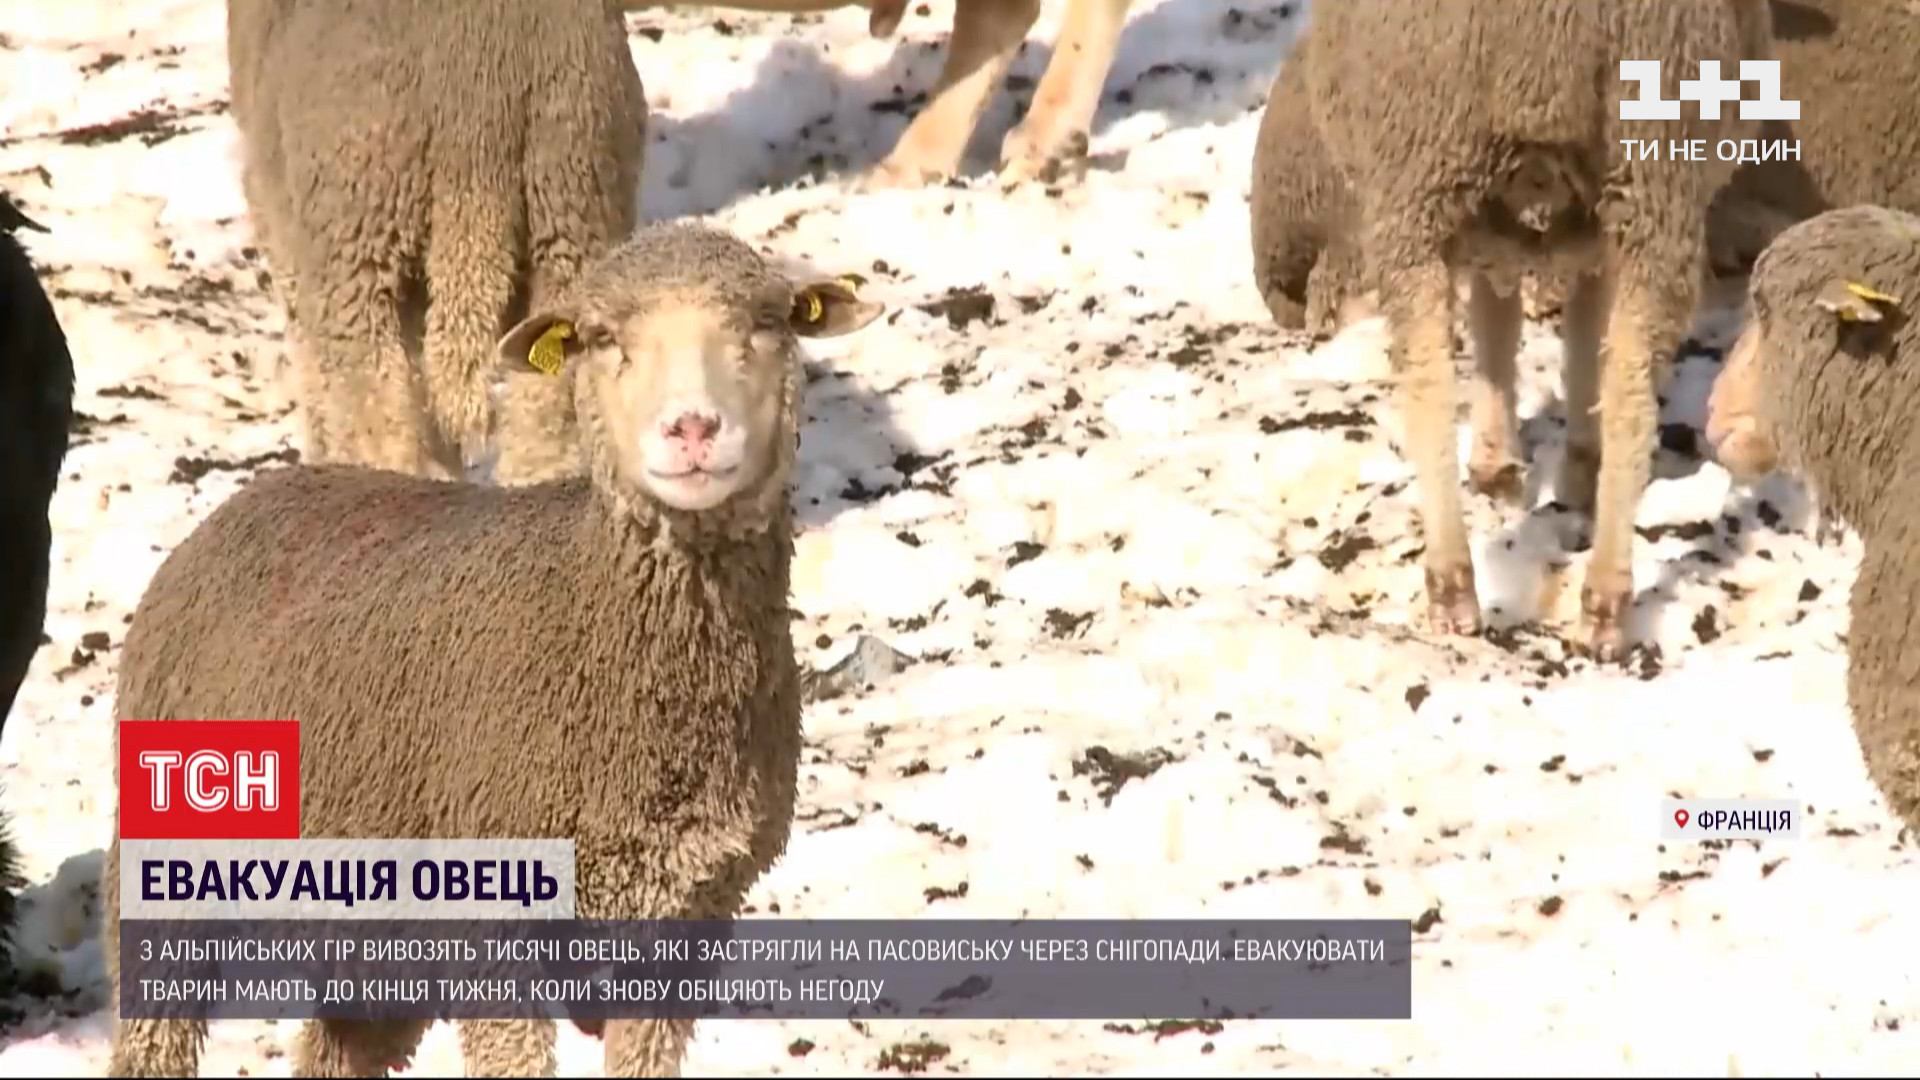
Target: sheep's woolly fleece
column 1128, row 574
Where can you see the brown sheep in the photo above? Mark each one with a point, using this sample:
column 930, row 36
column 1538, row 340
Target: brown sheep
column 417, row 175
column 1846, row 61
column 1306, row 259
column 986, row 35
column 1854, row 66
column 1813, row 383
column 1306, row 248
column 628, row 679
column 1498, row 134
column 1821, row 382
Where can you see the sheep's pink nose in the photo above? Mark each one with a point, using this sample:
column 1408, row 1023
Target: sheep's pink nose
column 693, row 428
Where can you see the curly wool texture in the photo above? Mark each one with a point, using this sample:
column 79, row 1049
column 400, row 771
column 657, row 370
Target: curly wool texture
column 420, row 174
column 570, row 659
column 1841, row 400
column 1306, row 259
column 1854, row 66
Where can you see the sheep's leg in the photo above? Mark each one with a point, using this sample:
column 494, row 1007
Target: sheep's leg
column 1494, row 319
column 140, row 1047
column 356, row 1047
column 509, row 1047
column 1582, row 316
column 362, row 390
column 985, row 35
column 472, row 272
column 155, row 1047
column 1060, row 120
column 646, row 1047
column 1628, row 425
column 1420, row 313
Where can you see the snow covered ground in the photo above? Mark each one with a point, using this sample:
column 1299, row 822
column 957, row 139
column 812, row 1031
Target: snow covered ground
column 1155, row 561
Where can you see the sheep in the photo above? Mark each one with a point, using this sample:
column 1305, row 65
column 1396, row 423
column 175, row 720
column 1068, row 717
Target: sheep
column 1306, row 250
column 1822, row 382
column 1853, row 65
column 1844, row 60
column 418, row 175
column 1494, row 153
column 1306, row 258
column 1810, row 384
column 647, row 597
column 986, row 34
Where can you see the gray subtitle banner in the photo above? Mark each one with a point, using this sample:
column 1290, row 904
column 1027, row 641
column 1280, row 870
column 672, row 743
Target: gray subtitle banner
column 961, row 969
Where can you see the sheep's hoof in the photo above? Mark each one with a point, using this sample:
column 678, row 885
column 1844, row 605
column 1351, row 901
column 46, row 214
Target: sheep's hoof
column 1606, row 613
column 902, row 173
column 1501, row 481
column 1028, row 158
column 1453, row 605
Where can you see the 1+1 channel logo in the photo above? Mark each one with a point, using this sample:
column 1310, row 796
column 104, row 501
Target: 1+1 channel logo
column 1710, row 91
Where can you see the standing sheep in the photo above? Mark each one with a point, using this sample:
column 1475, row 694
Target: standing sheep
column 986, row 35
column 1848, row 62
column 419, row 174
column 1823, row 381
column 36, row 410
column 1500, row 136
column 631, row 682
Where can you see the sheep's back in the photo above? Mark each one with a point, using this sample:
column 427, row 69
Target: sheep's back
column 1476, row 83
column 464, row 660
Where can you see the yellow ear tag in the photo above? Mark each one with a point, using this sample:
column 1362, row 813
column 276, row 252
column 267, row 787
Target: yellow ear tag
column 1853, row 302
column 1866, row 293
column 549, row 350
column 815, row 309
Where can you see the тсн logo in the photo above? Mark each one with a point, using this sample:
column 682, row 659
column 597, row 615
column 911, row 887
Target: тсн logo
column 209, row 780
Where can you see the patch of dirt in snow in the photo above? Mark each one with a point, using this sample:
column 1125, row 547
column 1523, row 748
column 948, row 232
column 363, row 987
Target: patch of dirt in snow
column 1108, row 586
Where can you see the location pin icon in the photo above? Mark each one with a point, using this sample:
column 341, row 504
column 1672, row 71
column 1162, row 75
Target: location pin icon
column 1680, row 818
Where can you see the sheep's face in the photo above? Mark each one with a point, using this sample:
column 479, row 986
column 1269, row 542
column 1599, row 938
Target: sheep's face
column 694, row 406
column 1735, row 430
column 694, row 393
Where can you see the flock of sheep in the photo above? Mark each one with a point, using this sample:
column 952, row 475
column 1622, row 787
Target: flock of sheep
column 548, row 449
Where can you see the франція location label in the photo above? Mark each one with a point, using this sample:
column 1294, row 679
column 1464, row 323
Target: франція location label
column 1729, row 819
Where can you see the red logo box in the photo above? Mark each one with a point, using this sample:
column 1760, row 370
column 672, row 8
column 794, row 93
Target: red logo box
column 209, row 779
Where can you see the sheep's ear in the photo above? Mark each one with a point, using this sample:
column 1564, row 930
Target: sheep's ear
column 539, row 345
column 832, row 308
column 1852, row 302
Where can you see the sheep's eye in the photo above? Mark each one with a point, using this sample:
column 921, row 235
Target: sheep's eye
column 595, row 337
